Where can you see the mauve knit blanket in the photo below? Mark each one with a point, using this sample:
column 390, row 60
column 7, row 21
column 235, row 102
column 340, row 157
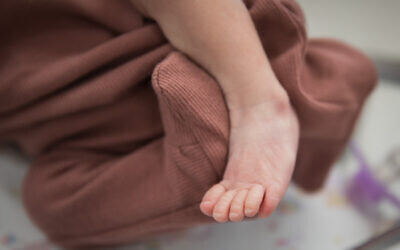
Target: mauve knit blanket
column 126, row 133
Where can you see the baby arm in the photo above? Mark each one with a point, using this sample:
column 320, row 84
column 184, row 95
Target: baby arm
column 220, row 36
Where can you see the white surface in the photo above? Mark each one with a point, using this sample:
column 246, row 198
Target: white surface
column 379, row 128
column 372, row 25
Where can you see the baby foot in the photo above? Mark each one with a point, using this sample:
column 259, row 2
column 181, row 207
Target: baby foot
column 262, row 153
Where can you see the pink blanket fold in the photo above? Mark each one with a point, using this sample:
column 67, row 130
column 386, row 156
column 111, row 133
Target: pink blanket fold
column 126, row 134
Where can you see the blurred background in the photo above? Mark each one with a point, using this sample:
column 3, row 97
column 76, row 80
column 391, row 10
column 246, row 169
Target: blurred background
column 359, row 206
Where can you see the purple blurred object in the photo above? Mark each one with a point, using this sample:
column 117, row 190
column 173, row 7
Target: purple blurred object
column 365, row 191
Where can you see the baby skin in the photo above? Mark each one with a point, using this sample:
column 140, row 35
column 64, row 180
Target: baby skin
column 264, row 130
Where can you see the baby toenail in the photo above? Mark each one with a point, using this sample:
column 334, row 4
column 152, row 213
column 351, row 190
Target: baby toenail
column 206, row 202
column 248, row 210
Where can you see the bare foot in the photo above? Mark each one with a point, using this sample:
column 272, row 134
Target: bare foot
column 262, row 153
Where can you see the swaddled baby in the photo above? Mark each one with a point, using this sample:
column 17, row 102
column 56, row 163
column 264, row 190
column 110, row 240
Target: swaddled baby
column 146, row 116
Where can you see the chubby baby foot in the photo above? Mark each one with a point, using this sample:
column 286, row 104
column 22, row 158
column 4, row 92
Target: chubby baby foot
column 262, row 153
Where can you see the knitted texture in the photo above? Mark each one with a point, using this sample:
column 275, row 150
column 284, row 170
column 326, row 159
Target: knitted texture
column 126, row 134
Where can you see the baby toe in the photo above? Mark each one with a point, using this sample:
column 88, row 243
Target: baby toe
column 221, row 209
column 253, row 200
column 270, row 202
column 210, row 199
column 237, row 206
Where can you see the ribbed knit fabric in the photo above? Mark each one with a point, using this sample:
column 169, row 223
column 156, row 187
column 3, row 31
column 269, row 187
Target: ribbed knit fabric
column 127, row 134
